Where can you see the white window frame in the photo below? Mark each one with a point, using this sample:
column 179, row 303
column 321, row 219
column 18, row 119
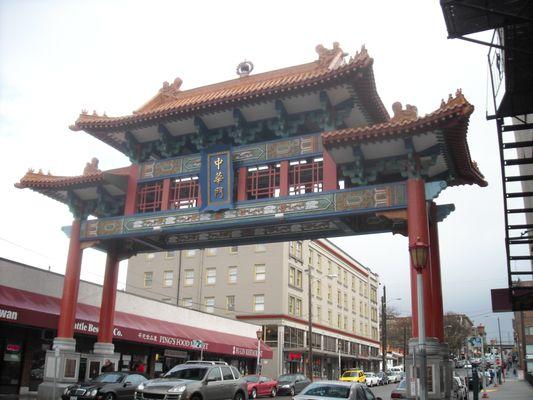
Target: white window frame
column 210, row 276
column 189, row 280
column 259, row 306
column 165, row 279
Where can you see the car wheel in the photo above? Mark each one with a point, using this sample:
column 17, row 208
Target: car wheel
column 109, row 396
column 254, row 394
column 292, row 391
column 273, row 392
column 238, row 396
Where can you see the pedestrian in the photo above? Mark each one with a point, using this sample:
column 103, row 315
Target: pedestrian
column 141, row 368
column 514, row 371
column 108, row 366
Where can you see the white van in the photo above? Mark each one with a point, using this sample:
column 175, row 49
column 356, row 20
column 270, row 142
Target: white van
column 397, row 368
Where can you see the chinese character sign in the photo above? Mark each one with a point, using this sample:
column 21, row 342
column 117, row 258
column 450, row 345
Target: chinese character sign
column 217, row 180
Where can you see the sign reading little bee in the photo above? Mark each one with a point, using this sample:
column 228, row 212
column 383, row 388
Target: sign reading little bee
column 217, row 180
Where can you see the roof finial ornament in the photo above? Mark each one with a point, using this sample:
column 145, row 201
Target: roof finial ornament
column 245, row 68
column 410, row 113
column 330, row 58
column 91, row 167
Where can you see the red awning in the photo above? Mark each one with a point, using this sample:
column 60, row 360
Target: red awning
column 28, row 308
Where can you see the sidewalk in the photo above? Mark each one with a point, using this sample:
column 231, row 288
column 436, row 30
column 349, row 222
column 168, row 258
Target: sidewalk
column 512, row 389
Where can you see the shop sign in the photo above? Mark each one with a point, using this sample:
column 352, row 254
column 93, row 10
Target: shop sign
column 217, row 179
column 241, row 351
column 93, row 328
column 13, row 348
column 175, row 353
column 170, row 340
column 295, row 356
column 9, row 314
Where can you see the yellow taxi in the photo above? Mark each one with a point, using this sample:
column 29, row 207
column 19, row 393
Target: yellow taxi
column 353, row 375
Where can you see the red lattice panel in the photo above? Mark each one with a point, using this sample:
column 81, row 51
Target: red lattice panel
column 262, row 182
column 183, row 193
column 306, row 177
column 149, row 196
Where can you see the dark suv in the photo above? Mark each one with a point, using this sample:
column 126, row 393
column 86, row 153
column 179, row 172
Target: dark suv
column 196, row 380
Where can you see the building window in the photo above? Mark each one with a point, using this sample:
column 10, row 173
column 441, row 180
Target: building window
column 305, row 176
column 230, row 303
column 295, row 306
column 259, row 272
column 339, row 298
column 183, row 193
column 354, row 326
column 344, row 278
column 260, row 248
column 210, row 276
column 354, row 280
column 295, row 250
column 339, row 320
column 310, row 258
column 330, row 344
column 232, row 275
column 149, row 197
column 345, row 322
column 190, row 253
column 345, row 300
column 210, row 252
column 189, row 277
column 209, row 304
column 234, row 249
column 318, row 288
column 150, row 256
column 330, row 293
column 318, row 316
column 186, row 302
column 330, row 317
column 354, row 308
column 262, row 182
column 330, row 267
column 293, row 337
column 319, row 262
column 168, row 278
column 148, row 279
column 169, row 254
column 259, row 302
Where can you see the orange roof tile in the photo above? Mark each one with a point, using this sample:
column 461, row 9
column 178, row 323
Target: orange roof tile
column 172, row 102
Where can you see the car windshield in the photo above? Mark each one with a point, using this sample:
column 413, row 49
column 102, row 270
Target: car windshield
column 251, row 378
column 109, row 378
column 180, row 372
column 327, row 390
column 370, row 374
column 349, row 374
column 402, row 384
column 286, row 378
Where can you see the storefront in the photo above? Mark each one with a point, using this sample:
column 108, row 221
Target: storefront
column 27, row 328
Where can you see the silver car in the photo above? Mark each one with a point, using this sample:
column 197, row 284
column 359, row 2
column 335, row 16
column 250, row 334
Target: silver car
column 196, row 381
column 335, row 390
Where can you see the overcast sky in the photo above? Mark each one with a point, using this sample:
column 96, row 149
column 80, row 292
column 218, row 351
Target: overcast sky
column 59, row 57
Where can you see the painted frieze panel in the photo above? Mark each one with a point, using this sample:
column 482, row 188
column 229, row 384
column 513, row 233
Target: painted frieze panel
column 104, row 227
column 372, row 197
column 247, row 155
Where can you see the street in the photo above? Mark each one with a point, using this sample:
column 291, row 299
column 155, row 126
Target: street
column 379, row 391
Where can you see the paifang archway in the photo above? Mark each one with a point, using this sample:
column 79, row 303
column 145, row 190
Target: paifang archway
column 303, row 152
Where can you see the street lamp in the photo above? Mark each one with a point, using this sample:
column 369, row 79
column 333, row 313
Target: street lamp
column 419, row 251
column 259, row 334
column 310, row 322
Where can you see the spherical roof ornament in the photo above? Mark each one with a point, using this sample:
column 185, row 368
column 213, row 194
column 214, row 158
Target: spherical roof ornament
column 244, row 68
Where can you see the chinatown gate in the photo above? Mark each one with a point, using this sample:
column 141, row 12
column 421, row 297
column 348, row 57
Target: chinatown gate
column 298, row 153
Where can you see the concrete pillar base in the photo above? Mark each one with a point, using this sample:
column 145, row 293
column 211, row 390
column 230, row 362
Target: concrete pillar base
column 439, row 369
column 96, row 359
column 60, row 369
column 104, row 348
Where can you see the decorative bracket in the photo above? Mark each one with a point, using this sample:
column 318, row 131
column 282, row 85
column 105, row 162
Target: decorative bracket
column 433, row 189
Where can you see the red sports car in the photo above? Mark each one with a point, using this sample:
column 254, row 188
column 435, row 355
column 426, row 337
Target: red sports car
column 259, row 385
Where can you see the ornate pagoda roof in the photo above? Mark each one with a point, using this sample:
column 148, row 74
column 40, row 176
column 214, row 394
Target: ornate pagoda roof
column 171, row 103
column 84, row 187
column 448, row 124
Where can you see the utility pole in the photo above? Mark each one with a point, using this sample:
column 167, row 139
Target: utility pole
column 384, row 329
column 310, row 328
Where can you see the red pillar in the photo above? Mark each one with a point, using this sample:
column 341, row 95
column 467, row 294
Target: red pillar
column 435, row 276
column 417, row 228
column 71, row 284
column 165, row 195
column 109, row 294
column 131, row 193
column 330, row 172
column 284, row 178
column 241, row 184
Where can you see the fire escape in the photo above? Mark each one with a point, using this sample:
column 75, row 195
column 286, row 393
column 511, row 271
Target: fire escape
column 510, row 60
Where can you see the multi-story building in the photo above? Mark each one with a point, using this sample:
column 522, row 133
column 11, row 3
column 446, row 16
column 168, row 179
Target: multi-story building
column 269, row 284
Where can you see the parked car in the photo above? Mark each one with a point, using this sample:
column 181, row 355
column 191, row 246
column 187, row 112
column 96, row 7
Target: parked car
column 353, row 375
column 200, row 380
column 335, row 390
column 401, row 390
column 383, row 378
column 292, row 383
column 108, row 386
column 459, row 391
column 393, row 376
column 259, row 385
column 371, row 379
